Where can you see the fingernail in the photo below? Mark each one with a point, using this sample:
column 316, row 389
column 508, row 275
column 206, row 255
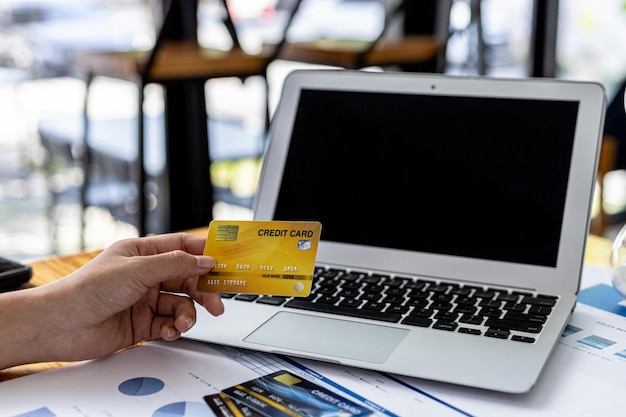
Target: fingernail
column 189, row 322
column 170, row 334
column 205, row 262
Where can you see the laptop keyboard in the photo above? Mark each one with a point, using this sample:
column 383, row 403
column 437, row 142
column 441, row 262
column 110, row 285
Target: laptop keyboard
column 446, row 306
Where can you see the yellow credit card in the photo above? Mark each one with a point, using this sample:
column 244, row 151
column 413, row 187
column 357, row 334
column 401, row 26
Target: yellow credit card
column 261, row 257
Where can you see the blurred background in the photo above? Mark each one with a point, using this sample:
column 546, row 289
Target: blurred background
column 45, row 207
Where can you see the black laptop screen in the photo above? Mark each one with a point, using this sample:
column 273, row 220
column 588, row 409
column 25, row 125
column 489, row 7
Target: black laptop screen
column 472, row 177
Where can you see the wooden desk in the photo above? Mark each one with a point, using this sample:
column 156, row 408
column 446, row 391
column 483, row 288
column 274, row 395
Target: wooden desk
column 51, row 269
column 176, row 60
column 355, row 54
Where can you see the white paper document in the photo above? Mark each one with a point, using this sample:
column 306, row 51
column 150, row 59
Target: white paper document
column 160, row 379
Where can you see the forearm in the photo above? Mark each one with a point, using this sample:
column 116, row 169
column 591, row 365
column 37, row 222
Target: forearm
column 26, row 329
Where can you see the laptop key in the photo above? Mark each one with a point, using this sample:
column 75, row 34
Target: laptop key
column 372, row 305
column 490, row 303
column 327, row 290
column 444, row 315
column 510, row 306
column 396, row 283
column 461, row 291
column 418, row 286
column 246, row 297
column 351, row 302
column 419, row 303
column 534, row 318
column 374, row 279
column 422, row 312
column 349, row 293
column 350, row 276
column 467, row 330
column 485, row 294
column 540, row 310
column 490, row 312
column 445, row 325
column 371, row 296
column 417, row 321
column 226, row 295
column 271, row 300
column 464, row 309
column 471, row 319
column 400, row 309
column 393, row 299
column 327, row 299
column 441, row 288
column 498, row 333
column 470, row 301
column 542, row 301
column 344, row 311
column 441, row 305
column 351, row 285
column 521, row 326
column 442, row 297
column 396, row 291
column 509, row 298
column 331, row 273
column 524, row 339
column 373, row 288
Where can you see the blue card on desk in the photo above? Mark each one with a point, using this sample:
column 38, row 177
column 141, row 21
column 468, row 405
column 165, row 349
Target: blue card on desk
column 283, row 394
column 224, row 406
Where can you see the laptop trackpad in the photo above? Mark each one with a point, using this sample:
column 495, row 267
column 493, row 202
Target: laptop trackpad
column 334, row 337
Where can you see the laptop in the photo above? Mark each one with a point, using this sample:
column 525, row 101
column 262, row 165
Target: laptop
column 454, row 217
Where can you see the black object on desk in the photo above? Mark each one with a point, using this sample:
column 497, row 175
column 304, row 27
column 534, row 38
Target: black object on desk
column 13, row 274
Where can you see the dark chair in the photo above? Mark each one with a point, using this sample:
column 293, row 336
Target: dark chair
column 182, row 66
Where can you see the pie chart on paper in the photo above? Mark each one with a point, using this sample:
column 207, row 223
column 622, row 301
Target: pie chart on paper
column 141, row 386
column 183, row 409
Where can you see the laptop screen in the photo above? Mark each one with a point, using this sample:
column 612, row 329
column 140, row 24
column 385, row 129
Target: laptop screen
column 464, row 176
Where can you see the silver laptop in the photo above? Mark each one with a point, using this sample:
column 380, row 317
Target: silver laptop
column 454, row 217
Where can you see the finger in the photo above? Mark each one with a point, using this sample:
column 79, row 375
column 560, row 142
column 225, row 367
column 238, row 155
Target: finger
column 172, row 268
column 179, row 307
column 164, row 328
column 212, row 302
column 153, row 245
column 174, row 315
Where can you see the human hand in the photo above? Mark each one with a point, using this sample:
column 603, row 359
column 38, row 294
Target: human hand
column 136, row 290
